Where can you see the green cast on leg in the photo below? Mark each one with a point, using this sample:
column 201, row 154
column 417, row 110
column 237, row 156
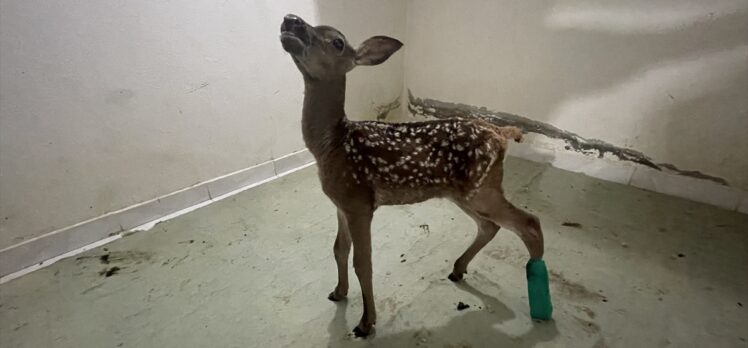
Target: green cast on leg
column 537, row 290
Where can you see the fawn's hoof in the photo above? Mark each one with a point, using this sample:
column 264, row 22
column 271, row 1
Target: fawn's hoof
column 455, row 277
column 359, row 332
column 335, row 297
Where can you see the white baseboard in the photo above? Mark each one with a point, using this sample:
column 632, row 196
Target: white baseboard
column 41, row 251
column 699, row 190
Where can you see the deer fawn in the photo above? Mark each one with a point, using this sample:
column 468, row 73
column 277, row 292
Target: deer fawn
column 364, row 165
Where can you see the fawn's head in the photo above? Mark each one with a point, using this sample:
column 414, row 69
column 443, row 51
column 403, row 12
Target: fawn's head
column 323, row 53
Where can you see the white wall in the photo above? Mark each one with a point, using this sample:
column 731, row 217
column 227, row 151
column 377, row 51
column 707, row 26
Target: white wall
column 104, row 104
column 369, row 88
column 668, row 78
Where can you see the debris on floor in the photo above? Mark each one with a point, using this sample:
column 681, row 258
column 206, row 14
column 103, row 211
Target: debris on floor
column 108, row 272
column 571, row 224
column 462, row 306
column 271, row 291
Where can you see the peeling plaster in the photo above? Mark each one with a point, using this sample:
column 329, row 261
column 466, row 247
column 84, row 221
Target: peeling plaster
column 384, row 110
column 439, row 109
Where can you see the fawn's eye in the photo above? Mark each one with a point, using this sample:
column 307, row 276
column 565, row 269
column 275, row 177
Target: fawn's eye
column 338, row 43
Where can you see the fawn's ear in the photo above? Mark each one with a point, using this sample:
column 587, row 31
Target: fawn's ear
column 376, row 50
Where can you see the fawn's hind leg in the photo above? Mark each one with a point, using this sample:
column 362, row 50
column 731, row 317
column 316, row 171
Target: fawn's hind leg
column 486, row 231
column 490, row 204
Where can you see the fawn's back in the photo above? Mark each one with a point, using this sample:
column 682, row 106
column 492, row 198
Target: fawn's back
column 407, row 163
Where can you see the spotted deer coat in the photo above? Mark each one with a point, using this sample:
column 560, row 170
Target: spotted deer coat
column 410, row 162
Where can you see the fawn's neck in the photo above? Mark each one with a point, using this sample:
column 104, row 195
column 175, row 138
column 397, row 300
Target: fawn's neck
column 323, row 118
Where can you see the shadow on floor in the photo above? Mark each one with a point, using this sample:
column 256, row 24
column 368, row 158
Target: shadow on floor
column 474, row 328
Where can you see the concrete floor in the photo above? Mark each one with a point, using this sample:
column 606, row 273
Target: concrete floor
column 254, row 270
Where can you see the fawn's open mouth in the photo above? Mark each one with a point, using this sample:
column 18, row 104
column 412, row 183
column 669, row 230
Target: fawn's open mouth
column 293, row 43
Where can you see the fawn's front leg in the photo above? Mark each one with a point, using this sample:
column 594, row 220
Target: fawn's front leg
column 359, row 226
column 341, row 249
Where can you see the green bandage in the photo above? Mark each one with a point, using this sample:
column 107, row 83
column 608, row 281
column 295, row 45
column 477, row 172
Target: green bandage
column 537, row 290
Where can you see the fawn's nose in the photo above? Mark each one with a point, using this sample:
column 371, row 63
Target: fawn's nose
column 291, row 22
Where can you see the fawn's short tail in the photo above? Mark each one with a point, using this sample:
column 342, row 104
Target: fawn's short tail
column 511, row 132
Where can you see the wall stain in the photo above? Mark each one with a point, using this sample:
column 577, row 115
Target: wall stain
column 441, row 110
column 120, row 96
column 384, row 110
column 692, row 173
column 195, row 89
